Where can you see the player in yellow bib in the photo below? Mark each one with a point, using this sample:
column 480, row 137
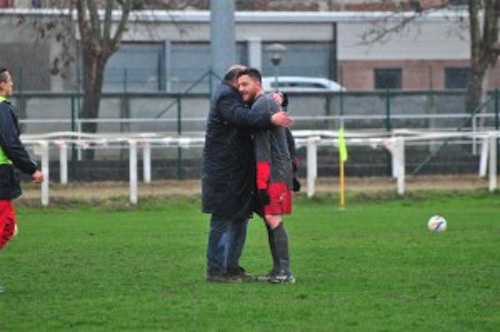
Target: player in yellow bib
column 13, row 157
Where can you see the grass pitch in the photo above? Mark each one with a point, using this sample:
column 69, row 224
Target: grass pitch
column 371, row 267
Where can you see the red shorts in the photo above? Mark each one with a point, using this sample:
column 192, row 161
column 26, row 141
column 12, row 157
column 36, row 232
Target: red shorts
column 280, row 199
column 7, row 222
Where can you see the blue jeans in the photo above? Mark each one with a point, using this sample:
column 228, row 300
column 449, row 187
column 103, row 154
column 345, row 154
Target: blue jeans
column 226, row 240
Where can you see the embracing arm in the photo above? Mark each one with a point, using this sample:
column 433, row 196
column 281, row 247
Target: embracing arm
column 236, row 112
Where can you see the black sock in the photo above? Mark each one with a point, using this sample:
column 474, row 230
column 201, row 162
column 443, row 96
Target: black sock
column 272, row 248
column 281, row 242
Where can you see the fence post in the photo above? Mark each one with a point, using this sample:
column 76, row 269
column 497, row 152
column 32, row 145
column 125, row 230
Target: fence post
column 63, row 161
column 388, row 125
column 44, row 145
column 146, row 161
column 483, row 159
column 74, row 153
column 396, row 148
column 497, row 108
column 388, row 128
column 179, row 132
column 312, row 164
column 497, row 117
column 400, row 162
column 492, row 183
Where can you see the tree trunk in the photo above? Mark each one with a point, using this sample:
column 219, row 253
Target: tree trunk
column 92, row 80
column 475, row 89
column 484, row 56
column 98, row 44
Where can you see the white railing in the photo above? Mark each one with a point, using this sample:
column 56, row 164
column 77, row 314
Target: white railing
column 395, row 143
column 474, row 127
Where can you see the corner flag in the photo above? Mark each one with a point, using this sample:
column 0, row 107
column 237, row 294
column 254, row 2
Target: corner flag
column 342, row 160
column 342, row 145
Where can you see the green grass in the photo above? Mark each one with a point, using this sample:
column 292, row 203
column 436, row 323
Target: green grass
column 371, row 267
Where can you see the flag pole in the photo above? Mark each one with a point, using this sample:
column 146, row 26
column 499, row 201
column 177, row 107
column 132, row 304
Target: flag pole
column 341, row 175
column 342, row 149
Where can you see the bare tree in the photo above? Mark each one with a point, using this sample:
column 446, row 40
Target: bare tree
column 483, row 19
column 100, row 39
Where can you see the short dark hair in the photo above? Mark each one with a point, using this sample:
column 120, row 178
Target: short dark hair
column 252, row 72
column 3, row 75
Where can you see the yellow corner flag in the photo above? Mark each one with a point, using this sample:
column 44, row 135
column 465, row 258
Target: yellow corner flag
column 342, row 145
column 342, row 159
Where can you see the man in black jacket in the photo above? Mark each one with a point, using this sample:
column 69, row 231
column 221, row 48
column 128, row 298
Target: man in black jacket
column 12, row 155
column 228, row 176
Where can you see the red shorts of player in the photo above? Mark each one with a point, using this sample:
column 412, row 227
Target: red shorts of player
column 7, row 222
column 280, row 199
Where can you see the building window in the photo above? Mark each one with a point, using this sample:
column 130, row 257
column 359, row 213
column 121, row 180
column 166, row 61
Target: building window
column 36, row 4
column 388, row 78
column 311, row 59
column 135, row 67
column 456, row 78
column 458, row 2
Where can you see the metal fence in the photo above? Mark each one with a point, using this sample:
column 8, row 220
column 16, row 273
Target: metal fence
column 184, row 115
column 396, row 146
column 180, row 113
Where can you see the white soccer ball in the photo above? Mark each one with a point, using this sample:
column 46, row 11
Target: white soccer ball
column 436, row 224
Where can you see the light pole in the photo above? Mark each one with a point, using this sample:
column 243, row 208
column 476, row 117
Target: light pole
column 276, row 52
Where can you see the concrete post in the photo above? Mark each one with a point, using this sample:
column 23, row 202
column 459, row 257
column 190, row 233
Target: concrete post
column 222, row 36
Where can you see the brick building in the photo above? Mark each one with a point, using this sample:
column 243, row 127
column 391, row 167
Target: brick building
column 167, row 51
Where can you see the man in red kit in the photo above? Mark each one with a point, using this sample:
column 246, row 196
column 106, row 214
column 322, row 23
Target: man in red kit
column 13, row 156
column 274, row 176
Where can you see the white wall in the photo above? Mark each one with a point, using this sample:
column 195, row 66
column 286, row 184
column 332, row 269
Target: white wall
column 422, row 40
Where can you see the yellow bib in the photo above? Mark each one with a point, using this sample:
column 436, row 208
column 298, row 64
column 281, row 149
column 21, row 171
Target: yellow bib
column 3, row 156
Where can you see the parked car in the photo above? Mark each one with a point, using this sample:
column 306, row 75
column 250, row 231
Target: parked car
column 300, row 84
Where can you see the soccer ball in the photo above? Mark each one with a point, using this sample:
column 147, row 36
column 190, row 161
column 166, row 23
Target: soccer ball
column 436, row 224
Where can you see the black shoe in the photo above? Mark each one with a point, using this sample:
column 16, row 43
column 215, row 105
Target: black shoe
column 240, row 273
column 282, row 278
column 265, row 277
column 223, row 278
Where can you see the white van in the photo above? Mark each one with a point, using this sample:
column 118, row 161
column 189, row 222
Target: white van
column 300, row 84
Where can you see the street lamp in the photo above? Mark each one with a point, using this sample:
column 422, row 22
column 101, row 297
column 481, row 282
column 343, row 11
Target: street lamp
column 276, row 52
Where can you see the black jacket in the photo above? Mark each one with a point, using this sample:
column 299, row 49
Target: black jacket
column 14, row 149
column 228, row 166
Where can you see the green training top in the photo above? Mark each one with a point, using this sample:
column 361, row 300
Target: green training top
column 3, row 157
